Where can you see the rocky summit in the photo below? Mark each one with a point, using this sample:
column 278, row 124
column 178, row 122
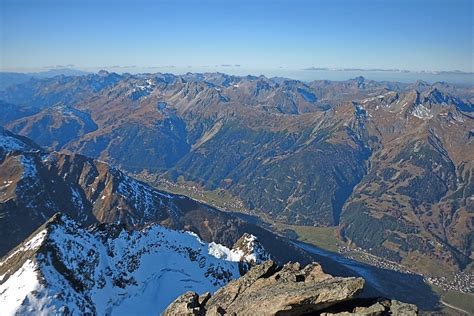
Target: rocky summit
column 269, row 289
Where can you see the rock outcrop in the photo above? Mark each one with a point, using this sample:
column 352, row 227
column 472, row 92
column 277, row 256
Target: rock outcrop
column 269, row 289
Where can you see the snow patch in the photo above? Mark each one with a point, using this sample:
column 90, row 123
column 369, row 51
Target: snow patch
column 422, row 112
column 29, row 167
column 32, row 244
column 77, row 199
column 250, row 251
column 11, row 143
column 222, row 252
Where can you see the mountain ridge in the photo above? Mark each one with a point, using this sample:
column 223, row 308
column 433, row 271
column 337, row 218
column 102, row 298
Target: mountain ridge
column 65, row 268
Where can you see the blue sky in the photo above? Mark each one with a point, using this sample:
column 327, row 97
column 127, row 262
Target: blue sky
column 293, row 34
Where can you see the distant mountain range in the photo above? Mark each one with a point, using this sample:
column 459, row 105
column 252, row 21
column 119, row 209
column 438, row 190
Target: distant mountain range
column 9, row 78
column 389, row 163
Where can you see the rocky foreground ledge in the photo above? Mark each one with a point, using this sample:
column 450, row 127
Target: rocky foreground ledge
column 269, row 289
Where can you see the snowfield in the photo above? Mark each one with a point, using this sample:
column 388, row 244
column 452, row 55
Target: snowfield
column 107, row 270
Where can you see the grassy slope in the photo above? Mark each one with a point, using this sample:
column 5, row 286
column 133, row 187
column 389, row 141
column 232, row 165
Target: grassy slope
column 459, row 300
column 322, row 237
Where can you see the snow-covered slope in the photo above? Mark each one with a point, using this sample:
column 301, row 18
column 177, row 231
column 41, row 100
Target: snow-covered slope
column 64, row 268
column 12, row 142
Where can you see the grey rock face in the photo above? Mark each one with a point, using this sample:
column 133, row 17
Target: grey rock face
column 268, row 289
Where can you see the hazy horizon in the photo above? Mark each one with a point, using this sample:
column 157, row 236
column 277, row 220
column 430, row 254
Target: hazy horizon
column 252, row 36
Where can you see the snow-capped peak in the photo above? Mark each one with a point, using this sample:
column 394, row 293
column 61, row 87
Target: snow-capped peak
column 246, row 249
column 251, row 249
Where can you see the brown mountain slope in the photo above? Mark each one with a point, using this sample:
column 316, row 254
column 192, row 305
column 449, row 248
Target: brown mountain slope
column 35, row 184
column 416, row 202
